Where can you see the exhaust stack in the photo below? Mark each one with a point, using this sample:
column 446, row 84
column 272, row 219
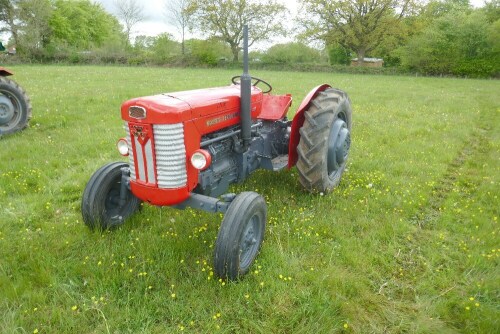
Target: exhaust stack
column 245, row 96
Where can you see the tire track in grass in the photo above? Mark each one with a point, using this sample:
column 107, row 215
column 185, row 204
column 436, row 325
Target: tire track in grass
column 431, row 212
column 403, row 286
column 430, row 274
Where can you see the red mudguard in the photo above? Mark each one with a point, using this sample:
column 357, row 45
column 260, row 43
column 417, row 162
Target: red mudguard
column 5, row 72
column 298, row 121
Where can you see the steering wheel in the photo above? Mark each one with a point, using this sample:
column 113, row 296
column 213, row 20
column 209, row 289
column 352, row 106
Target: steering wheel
column 236, row 80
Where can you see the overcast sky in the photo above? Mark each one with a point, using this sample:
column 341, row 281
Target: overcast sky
column 156, row 24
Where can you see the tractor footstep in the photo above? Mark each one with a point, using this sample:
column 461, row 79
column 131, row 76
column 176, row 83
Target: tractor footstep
column 280, row 162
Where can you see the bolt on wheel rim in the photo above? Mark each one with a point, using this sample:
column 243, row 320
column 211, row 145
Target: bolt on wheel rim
column 339, row 143
column 112, row 204
column 8, row 108
column 249, row 244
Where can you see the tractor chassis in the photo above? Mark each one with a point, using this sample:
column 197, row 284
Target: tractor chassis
column 195, row 201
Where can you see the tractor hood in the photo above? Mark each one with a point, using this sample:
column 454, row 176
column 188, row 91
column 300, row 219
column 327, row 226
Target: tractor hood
column 170, row 108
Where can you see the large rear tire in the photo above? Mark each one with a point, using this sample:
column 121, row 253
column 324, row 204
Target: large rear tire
column 325, row 141
column 101, row 207
column 240, row 235
column 15, row 107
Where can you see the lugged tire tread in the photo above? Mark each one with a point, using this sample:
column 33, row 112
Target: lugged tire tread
column 14, row 85
column 90, row 206
column 226, row 244
column 314, row 136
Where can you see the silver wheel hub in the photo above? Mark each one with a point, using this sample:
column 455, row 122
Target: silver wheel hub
column 7, row 110
column 248, row 243
column 339, row 143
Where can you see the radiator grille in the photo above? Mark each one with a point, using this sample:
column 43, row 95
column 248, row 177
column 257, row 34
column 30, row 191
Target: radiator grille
column 170, row 155
column 131, row 154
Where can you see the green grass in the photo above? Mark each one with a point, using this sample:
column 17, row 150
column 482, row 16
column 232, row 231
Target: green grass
column 408, row 243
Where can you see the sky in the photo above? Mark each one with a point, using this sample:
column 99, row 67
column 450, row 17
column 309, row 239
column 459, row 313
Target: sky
column 156, row 22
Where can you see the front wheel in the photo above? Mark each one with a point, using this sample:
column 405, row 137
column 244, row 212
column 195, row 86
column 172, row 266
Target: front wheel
column 102, row 205
column 325, row 141
column 240, row 235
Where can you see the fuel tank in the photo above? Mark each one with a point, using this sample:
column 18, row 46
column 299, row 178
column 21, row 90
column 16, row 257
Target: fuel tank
column 211, row 109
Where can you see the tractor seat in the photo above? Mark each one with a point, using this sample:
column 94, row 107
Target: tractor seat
column 275, row 107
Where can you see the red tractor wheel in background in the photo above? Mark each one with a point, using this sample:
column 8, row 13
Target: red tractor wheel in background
column 15, row 107
column 325, row 141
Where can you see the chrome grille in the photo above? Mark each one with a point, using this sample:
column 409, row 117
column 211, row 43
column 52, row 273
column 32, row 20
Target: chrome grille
column 131, row 154
column 170, row 155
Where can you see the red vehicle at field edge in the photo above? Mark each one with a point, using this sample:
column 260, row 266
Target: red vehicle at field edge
column 15, row 106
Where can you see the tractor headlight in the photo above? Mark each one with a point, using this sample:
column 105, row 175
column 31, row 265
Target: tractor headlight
column 201, row 159
column 122, row 146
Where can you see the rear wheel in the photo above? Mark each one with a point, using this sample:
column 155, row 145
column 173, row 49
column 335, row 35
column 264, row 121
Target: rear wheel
column 240, row 235
column 102, row 207
column 325, row 141
column 15, row 107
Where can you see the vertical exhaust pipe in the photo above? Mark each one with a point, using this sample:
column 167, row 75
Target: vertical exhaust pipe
column 245, row 96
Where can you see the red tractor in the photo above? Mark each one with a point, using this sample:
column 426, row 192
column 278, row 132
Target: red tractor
column 186, row 148
column 15, row 106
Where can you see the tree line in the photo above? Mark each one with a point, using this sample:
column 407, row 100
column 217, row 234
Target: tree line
column 433, row 37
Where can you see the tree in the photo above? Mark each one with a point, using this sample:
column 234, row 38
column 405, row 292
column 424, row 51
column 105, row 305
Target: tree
column 35, row 31
column 224, row 19
column 164, row 48
column 439, row 8
column 82, row 24
column 492, row 10
column 358, row 25
column 144, row 42
column 459, row 43
column 291, row 53
column 8, row 16
column 130, row 12
column 178, row 13
column 337, row 54
column 27, row 23
column 206, row 52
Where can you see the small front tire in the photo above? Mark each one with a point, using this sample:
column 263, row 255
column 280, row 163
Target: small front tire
column 101, row 207
column 240, row 235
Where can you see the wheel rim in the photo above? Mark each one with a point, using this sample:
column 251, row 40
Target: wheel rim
column 249, row 243
column 114, row 211
column 339, row 143
column 9, row 111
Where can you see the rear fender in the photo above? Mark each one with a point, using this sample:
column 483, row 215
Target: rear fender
column 5, row 72
column 298, row 121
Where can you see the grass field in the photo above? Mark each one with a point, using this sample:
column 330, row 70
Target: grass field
column 408, row 243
